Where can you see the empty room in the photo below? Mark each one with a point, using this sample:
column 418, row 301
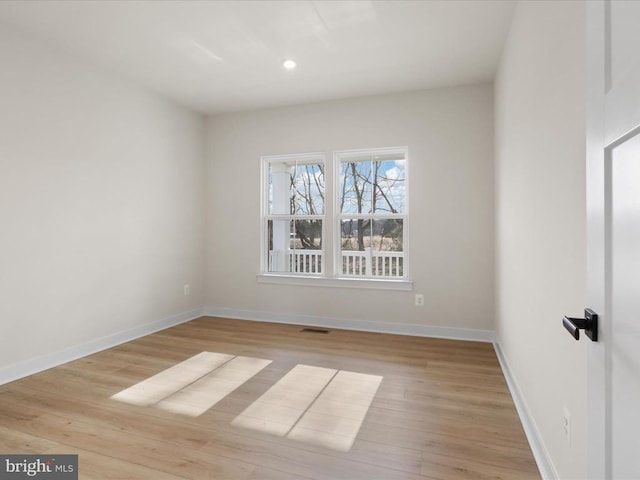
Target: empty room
column 290, row 240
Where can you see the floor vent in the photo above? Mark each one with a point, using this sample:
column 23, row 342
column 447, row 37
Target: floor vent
column 313, row 330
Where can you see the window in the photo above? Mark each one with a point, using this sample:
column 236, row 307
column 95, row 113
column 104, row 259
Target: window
column 294, row 214
column 371, row 213
column 367, row 224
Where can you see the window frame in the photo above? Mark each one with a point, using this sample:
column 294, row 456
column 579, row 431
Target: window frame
column 266, row 216
column 330, row 275
column 338, row 216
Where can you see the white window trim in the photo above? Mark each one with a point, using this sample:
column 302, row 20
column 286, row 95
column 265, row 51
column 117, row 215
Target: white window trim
column 265, row 216
column 335, row 282
column 333, row 278
column 338, row 216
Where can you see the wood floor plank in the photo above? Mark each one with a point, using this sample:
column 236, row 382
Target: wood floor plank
column 94, row 466
column 441, row 411
column 459, row 467
column 15, row 441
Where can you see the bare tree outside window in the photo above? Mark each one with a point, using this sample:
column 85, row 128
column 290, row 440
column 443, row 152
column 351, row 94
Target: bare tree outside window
column 307, row 198
column 372, row 207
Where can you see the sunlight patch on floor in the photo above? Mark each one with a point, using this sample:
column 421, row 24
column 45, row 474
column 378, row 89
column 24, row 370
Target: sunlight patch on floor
column 280, row 407
column 171, row 380
column 195, row 385
column 315, row 405
column 334, row 419
column 200, row 396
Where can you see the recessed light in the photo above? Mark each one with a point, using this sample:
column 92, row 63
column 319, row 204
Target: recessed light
column 289, row 64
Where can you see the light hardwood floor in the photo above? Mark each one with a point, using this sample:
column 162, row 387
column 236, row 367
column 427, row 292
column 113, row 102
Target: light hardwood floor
column 442, row 410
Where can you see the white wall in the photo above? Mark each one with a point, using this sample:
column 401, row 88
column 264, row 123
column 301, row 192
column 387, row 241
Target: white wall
column 540, row 219
column 101, row 203
column 449, row 133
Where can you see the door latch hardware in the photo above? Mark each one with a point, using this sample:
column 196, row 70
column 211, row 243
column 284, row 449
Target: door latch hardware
column 589, row 324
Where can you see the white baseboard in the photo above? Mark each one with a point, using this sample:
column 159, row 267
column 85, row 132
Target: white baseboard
column 35, row 365
column 540, row 452
column 351, row 324
column 29, row 367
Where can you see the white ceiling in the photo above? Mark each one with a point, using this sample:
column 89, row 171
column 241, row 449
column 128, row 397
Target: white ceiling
column 221, row 56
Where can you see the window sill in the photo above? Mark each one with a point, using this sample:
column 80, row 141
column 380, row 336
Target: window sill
column 339, row 282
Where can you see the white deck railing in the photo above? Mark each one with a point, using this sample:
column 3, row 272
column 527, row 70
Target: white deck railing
column 305, row 261
column 354, row 263
column 370, row 263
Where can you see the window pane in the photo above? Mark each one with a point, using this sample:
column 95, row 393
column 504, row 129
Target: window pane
column 307, row 182
column 306, row 254
column 280, row 235
column 355, row 234
column 376, row 251
column 296, row 188
column 355, row 187
column 387, row 252
column 390, row 182
column 295, row 246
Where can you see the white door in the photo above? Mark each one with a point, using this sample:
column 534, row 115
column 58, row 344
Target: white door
column 613, row 234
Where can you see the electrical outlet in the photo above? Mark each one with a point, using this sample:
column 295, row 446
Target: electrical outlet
column 419, row 300
column 566, row 426
column 187, row 289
